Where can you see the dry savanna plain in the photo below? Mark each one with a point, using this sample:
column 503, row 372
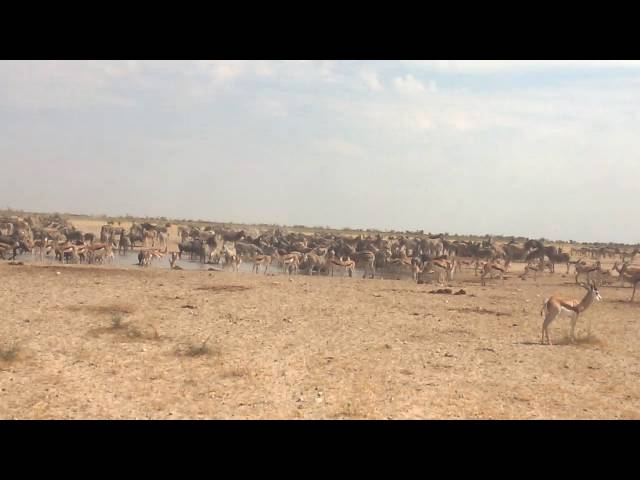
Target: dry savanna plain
column 123, row 342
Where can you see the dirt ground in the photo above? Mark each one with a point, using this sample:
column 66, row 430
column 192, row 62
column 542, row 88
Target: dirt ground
column 105, row 342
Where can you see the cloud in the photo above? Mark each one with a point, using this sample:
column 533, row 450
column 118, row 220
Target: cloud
column 341, row 146
column 482, row 67
column 409, row 85
column 271, row 108
column 58, row 84
column 424, row 124
column 221, row 70
column 371, row 80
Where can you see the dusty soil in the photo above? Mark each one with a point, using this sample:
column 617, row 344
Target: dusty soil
column 106, row 342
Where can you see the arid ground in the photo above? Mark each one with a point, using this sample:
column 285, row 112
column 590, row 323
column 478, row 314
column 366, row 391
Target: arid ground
column 81, row 341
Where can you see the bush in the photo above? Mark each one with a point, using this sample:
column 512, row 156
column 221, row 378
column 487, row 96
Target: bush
column 116, row 320
column 9, row 351
column 194, row 349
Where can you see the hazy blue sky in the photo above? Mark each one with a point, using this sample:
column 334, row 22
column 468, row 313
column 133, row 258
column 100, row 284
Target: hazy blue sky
column 544, row 148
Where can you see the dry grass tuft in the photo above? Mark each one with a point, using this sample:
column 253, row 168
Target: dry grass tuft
column 236, row 372
column 114, row 309
column 355, row 410
column 357, row 400
column 9, row 351
column 454, row 331
column 480, row 310
column 135, row 332
column 195, row 349
column 126, row 331
column 116, row 321
column 223, row 288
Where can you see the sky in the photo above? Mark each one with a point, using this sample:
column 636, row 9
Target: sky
column 528, row 148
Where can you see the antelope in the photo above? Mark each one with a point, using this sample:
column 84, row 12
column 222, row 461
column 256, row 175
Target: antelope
column 416, row 270
column 290, row 263
column 490, row 268
column 469, row 264
column 606, row 278
column 348, row 264
column 66, row 250
column 39, row 248
column 98, row 251
column 146, row 256
column 588, row 270
column 231, row 257
column 402, row 261
column 631, row 275
column 555, row 305
column 531, row 267
column 444, row 268
column 261, row 260
column 288, row 259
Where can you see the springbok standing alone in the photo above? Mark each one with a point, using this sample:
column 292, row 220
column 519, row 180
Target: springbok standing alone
column 554, row 305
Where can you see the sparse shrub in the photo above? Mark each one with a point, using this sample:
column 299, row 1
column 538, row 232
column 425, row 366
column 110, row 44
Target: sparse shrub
column 133, row 331
column 116, row 320
column 9, row 351
column 236, row 372
column 194, row 349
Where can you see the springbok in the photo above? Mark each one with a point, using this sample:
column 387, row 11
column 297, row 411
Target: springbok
column 491, row 268
column 290, row 263
column 231, row 257
column 534, row 267
column 627, row 274
column 554, row 305
column 588, row 270
column 146, row 256
column 444, row 268
column 261, row 260
column 416, row 270
column 39, row 248
column 348, row 264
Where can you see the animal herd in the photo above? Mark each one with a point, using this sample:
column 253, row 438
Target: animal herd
column 321, row 253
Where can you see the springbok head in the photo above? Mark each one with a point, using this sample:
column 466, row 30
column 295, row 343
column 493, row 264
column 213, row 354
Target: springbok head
column 592, row 288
